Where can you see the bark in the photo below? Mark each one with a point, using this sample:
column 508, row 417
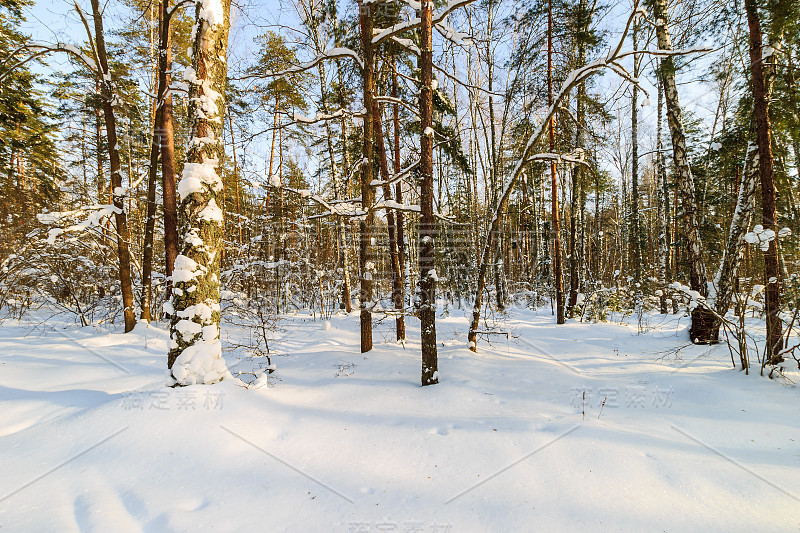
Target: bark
column 367, row 193
column 155, row 154
column 399, row 302
column 663, row 205
column 344, row 246
column 150, row 222
column 635, row 236
column 769, row 221
column 168, row 185
column 236, row 182
column 575, row 77
column 195, row 354
column 120, row 217
column 557, row 267
column 427, row 222
column 700, row 330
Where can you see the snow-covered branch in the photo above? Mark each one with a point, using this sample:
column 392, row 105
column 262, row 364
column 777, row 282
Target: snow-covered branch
column 402, row 27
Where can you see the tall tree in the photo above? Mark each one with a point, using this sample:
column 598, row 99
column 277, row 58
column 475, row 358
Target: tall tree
column 663, row 203
column 195, row 354
column 118, row 193
column 558, row 278
column 366, row 266
column 427, row 222
column 769, row 213
column 635, row 233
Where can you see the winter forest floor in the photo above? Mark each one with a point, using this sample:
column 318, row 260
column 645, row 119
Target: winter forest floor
column 91, row 440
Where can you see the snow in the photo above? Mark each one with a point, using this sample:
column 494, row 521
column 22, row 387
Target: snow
column 198, row 175
column 760, row 236
column 428, row 132
column 186, row 269
column 211, row 212
column 581, row 427
column 212, row 12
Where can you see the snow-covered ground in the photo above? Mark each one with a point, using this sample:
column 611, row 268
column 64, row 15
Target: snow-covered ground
column 91, row 440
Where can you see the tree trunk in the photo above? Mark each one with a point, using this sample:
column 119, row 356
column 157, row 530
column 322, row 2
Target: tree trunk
column 155, row 154
column 367, row 269
column 120, row 217
column 578, row 196
column 557, row 267
column 702, row 319
column 635, row 234
column 399, row 302
column 769, row 215
column 394, row 260
column 195, row 354
column 150, row 219
column 663, row 205
column 427, row 222
column 168, row 185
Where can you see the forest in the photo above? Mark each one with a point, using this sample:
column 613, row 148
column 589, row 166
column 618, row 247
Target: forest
column 310, row 204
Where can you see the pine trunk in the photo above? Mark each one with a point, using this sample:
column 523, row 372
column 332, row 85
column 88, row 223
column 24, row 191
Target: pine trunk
column 769, row 214
column 117, row 193
column 399, row 301
column 367, row 269
column 168, row 185
column 427, row 222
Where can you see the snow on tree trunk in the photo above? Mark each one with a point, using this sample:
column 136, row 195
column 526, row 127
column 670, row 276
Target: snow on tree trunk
column 427, row 222
column 702, row 319
column 117, row 192
column 195, row 354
